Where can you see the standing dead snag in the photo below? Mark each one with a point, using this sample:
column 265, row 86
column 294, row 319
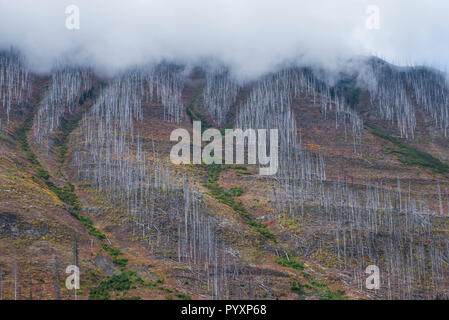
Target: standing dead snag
column 57, row 294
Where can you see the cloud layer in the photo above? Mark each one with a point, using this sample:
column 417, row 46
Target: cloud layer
column 253, row 36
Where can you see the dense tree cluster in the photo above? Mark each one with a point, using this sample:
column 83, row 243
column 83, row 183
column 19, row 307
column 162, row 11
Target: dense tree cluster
column 14, row 82
column 394, row 229
column 165, row 210
column 399, row 93
column 165, row 83
column 63, row 96
column 220, row 93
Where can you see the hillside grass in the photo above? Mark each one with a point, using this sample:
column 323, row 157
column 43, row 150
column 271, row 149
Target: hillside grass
column 66, row 193
column 68, row 124
column 410, row 155
column 218, row 192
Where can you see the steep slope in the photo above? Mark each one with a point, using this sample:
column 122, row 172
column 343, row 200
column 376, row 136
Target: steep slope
column 362, row 181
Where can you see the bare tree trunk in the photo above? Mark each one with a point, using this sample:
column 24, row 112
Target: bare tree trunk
column 75, row 258
column 1, row 283
column 15, row 279
column 56, row 279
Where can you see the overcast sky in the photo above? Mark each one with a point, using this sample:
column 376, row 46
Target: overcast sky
column 252, row 36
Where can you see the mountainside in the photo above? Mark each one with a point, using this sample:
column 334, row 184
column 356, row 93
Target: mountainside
column 86, row 180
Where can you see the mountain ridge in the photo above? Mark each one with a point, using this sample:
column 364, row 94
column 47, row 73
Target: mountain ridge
column 300, row 241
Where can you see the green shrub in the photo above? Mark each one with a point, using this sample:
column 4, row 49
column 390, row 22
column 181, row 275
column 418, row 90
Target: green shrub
column 213, row 171
column 298, row 288
column 332, row 295
column 131, row 298
column 42, row 173
column 236, row 192
column 183, row 296
column 239, row 167
column 219, row 193
column 121, row 262
column 118, row 283
column 112, row 251
column 261, row 228
column 290, row 263
column 408, row 154
column 244, row 172
column 197, row 116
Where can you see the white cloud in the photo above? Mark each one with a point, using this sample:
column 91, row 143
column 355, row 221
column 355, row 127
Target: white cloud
column 251, row 35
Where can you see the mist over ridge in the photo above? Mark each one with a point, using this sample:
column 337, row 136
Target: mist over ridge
column 252, row 37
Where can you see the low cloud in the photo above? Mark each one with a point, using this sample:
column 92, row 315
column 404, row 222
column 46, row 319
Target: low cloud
column 252, row 36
